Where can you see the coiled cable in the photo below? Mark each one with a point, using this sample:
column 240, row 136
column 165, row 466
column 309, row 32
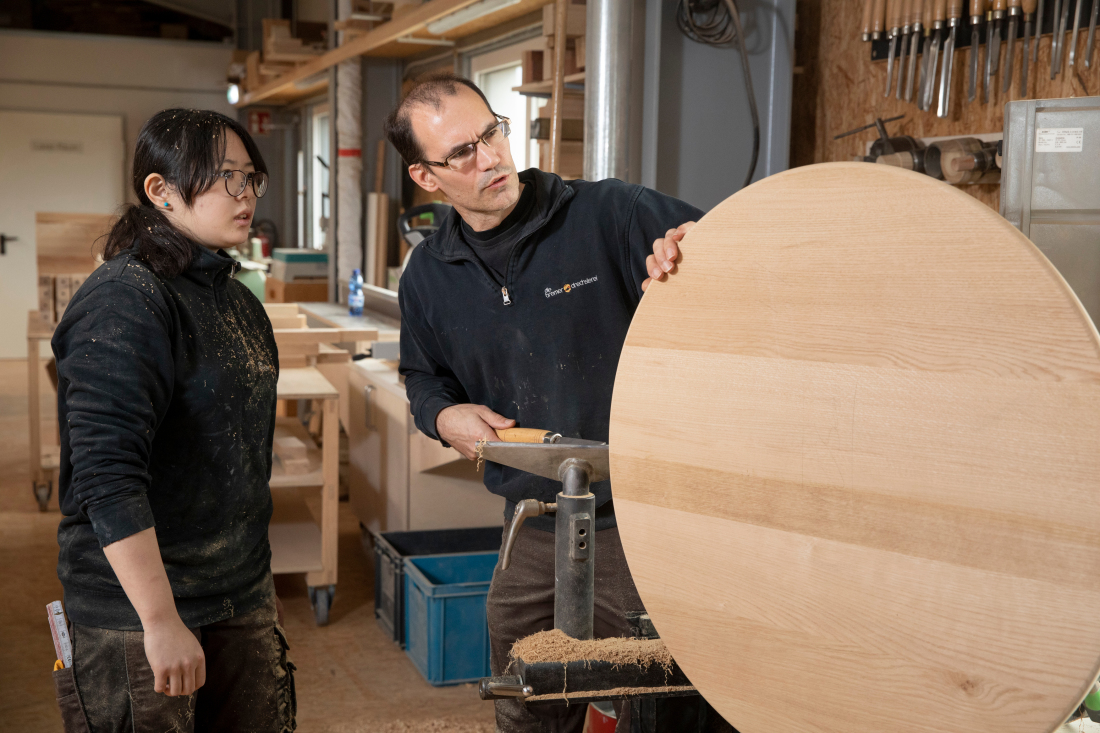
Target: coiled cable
column 716, row 23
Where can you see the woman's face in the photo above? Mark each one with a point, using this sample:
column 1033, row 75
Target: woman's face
column 215, row 219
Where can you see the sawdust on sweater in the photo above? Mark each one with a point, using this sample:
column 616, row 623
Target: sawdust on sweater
column 556, row 646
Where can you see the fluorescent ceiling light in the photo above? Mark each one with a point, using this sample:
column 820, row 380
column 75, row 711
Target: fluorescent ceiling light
column 467, row 14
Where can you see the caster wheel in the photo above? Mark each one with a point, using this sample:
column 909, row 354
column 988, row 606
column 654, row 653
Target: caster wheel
column 42, row 494
column 320, row 597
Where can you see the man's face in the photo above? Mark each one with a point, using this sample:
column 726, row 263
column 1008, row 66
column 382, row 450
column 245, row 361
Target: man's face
column 489, row 183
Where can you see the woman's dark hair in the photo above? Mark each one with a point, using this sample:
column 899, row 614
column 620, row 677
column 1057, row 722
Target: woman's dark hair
column 429, row 91
column 187, row 147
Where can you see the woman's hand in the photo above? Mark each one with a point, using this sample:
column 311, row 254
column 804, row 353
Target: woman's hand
column 176, row 658
column 175, row 655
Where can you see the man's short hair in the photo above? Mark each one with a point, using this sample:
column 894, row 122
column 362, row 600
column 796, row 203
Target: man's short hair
column 430, row 92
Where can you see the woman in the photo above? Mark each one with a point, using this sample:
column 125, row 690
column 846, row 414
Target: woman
column 167, row 370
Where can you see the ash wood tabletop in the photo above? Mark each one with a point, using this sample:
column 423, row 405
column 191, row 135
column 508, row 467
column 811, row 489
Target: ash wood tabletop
column 855, row 451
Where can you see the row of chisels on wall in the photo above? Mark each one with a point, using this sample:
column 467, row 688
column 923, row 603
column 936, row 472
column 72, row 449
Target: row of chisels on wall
column 902, row 30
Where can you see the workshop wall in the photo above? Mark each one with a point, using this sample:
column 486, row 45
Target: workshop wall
column 839, row 88
column 132, row 77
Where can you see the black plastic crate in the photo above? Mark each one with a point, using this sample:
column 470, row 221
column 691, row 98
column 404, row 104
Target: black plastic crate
column 390, row 551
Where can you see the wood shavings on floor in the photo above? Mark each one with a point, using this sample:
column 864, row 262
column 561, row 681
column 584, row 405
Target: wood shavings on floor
column 555, row 646
column 436, row 725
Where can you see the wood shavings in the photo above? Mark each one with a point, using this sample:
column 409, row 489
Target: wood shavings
column 480, row 453
column 556, row 646
column 437, row 725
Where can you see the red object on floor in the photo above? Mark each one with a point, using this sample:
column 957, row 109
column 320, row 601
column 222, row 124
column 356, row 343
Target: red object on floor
column 597, row 722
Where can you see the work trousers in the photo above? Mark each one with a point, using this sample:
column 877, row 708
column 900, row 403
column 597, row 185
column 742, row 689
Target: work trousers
column 521, row 603
column 249, row 681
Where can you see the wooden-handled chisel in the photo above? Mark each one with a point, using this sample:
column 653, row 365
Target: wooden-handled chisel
column 1013, row 26
column 954, row 17
column 527, row 435
column 931, row 47
column 1029, row 18
column 1076, row 31
column 893, row 15
column 977, row 13
column 993, row 46
column 939, row 19
column 906, row 39
column 1092, row 34
column 914, row 45
column 878, row 19
column 1061, row 8
column 1038, row 33
column 534, row 435
column 865, row 26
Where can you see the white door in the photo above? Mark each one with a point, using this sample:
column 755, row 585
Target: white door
column 49, row 162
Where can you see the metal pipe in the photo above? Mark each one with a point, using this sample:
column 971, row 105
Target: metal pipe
column 607, row 89
column 574, row 553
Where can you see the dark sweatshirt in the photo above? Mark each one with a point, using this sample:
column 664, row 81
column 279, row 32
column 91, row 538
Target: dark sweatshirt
column 542, row 349
column 166, row 402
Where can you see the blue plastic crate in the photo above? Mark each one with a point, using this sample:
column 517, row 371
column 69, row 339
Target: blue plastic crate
column 446, row 634
column 390, row 550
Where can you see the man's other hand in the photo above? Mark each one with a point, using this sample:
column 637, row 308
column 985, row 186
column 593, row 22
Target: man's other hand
column 665, row 253
column 464, row 425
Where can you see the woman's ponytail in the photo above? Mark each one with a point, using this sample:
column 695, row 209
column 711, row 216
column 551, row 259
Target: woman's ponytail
column 149, row 235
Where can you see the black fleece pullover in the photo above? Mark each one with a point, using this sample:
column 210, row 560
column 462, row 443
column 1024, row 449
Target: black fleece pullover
column 542, row 349
column 166, row 402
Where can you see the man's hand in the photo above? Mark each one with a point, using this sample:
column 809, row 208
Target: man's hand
column 464, row 425
column 176, row 658
column 665, row 254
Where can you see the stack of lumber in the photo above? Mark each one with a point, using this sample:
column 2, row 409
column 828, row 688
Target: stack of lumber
column 65, row 244
column 281, row 54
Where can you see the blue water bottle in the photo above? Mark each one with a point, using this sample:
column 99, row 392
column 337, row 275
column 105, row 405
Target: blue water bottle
column 355, row 293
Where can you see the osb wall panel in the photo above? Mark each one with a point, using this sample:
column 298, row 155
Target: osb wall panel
column 840, row 88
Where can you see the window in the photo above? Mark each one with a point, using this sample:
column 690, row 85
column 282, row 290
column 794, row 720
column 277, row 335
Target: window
column 319, row 177
column 495, row 73
column 497, row 85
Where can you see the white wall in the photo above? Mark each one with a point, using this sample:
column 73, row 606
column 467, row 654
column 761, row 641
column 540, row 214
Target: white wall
column 133, row 77
column 85, row 74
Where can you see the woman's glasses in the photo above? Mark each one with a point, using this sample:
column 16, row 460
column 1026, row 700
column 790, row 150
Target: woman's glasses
column 237, row 181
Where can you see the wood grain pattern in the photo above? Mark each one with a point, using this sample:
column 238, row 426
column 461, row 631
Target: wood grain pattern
column 864, row 498
column 840, row 89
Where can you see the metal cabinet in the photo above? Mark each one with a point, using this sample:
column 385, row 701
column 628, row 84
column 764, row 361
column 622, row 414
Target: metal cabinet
column 398, row 478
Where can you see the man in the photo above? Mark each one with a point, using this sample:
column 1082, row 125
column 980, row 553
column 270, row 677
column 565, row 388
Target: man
column 514, row 313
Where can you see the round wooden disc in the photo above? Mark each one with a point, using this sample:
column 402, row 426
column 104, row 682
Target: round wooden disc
column 855, row 447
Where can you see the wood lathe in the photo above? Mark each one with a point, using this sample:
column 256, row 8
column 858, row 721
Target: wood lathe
column 580, row 675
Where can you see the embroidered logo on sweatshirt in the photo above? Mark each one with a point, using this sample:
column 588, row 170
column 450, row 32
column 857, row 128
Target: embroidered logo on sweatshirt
column 569, row 287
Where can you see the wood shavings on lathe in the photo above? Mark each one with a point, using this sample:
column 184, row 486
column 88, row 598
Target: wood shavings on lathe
column 556, row 646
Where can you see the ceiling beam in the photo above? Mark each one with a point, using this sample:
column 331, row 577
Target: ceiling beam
column 369, row 41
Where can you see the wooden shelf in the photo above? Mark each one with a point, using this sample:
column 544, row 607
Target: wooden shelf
column 291, row 427
column 304, row 383
column 294, row 535
column 574, row 83
column 394, row 39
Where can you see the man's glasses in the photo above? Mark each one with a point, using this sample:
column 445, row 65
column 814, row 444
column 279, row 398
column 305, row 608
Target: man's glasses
column 467, row 154
column 237, row 181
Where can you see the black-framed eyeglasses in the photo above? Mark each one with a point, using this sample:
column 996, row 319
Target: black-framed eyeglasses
column 465, row 155
column 237, row 181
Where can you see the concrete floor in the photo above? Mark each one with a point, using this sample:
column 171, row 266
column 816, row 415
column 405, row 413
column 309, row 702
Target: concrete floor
column 351, row 678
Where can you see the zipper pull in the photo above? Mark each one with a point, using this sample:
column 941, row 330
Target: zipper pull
column 504, row 292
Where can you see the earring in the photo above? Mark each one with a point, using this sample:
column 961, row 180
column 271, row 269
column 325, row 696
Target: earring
column 166, row 204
